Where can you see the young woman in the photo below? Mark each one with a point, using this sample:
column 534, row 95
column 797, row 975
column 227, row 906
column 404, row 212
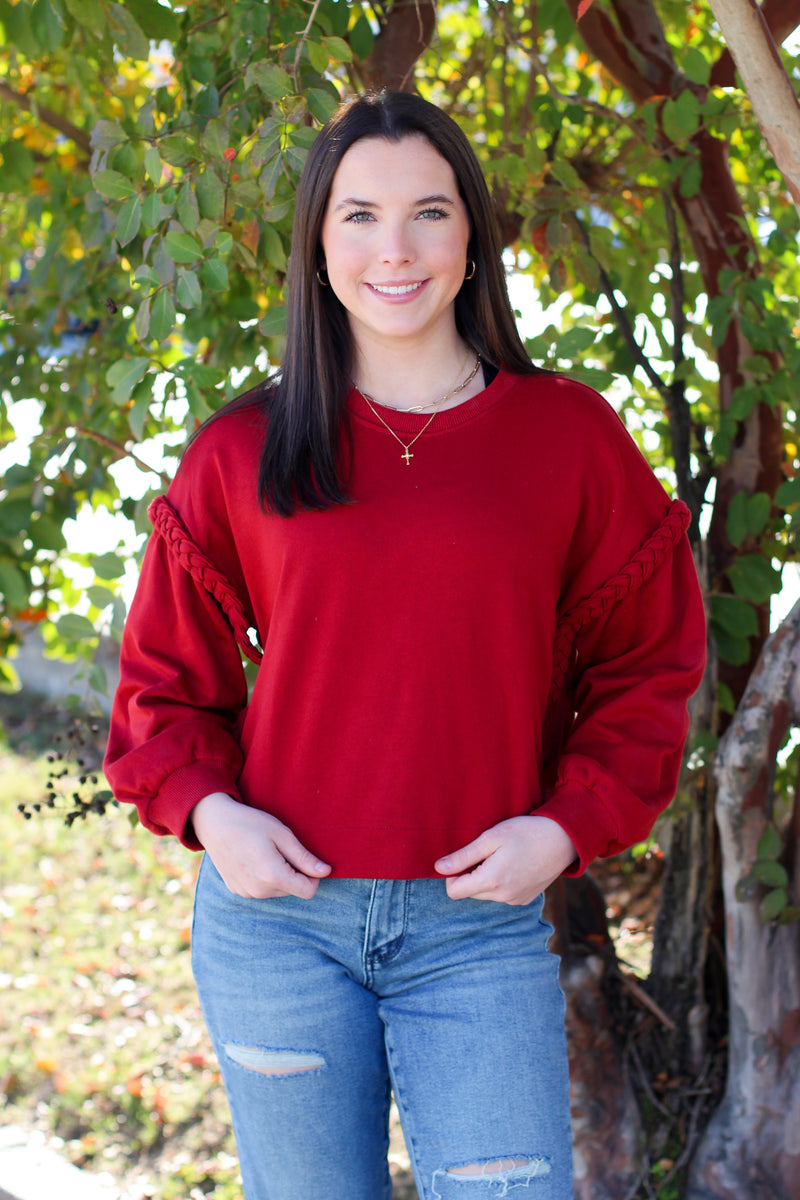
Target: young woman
column 480, row 625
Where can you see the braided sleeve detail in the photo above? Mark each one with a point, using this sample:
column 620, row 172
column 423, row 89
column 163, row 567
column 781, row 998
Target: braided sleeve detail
column 169, row 525
column 637, row 571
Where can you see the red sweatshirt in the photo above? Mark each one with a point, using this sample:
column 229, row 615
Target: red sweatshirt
column 522, row 589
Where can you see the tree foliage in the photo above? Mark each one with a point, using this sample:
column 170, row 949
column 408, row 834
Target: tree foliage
column 149, row 159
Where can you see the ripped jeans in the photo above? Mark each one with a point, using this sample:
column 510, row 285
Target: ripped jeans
column 319, row 1008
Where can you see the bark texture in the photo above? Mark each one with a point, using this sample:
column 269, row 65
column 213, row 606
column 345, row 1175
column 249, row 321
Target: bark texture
column 751, row 1148
column 750, row 42
column 609, row 1148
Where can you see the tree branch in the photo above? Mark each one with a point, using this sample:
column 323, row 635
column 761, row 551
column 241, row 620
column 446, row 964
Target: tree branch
column 782, row 18
column 407, row 27
column 621, row 317
column 121, row 451
column 304, row 36
column 48, row 117
column 768, row 87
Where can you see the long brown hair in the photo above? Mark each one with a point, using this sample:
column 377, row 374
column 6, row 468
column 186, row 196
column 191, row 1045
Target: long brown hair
column 299, row 467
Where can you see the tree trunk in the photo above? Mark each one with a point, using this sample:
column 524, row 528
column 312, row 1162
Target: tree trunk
column 749, row 40
column 751, row 1149
column 608, row 1139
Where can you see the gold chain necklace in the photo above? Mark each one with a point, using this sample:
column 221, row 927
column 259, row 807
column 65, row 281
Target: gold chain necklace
column 407, row 455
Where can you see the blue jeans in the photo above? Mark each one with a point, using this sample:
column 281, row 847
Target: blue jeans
column 319, row 1008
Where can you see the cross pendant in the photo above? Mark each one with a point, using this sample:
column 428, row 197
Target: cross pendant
column 407, row 456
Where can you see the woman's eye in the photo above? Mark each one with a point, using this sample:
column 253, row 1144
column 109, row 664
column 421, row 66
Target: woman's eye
column 434, row 214
column 359, row 217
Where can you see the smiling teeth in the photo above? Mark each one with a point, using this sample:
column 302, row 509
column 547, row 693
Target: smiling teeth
column 401, row 290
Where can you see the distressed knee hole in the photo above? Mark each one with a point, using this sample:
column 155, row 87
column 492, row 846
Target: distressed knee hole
column 274, row 1062
column 509, row 1169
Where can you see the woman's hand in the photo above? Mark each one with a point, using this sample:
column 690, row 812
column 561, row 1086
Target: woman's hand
column 256, row 854
column 512, row 862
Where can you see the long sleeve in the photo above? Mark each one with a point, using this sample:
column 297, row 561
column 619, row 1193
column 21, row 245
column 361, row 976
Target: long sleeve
column 173, row 725
column 633, row 653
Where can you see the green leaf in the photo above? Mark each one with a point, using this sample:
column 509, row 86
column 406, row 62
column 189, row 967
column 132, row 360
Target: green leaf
column 108, row 134
column 178, row 150
column 759, row 507
column 271, row 79
column 772, row 905
column 160, row 22
column 152, row 165
column 13, row 586
column 296, row 158
column 201, row 68
column 46, row 25
column 88, row 13
column 273, row 251
column 152, row 210
column 770, row 844
column 129, row 220
column 210, row 194
column 574, row 342
column 788, row 494
column 99, row 596
column 15, row 516
column 691, row 178
column 773, row 874
column 338, row 49
column 733, row 650
column 753, row 577
column 123, row 376
column 108, row 566
column 680, row 119
column 565, row 173
column 113, row 185
column 318, row 56
column 128, row 36
column 46, row 534
column 18, row 166
column 16, row 19
column 736, row 519
column 214, row 274
column 696, row 67
column 273, row 323
column 321, row 104
column 75, row 628
column 720, row 315
column 361, row 38
column 216, row 137
column 163, row 264
column 182, row 247
column 735, row 616
column 141, row 322
column 188, row 292
column 162, row 316
column 187, row 209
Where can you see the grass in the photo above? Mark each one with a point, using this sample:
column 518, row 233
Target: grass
column 101, row 1040
column 102, row 1043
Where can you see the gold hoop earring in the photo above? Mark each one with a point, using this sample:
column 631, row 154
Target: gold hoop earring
column 471, row 274
column 322, row 282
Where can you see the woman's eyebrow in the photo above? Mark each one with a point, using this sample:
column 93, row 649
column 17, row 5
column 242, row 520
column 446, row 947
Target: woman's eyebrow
column 354, row 202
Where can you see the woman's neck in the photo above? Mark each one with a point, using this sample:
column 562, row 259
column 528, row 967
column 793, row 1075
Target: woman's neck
column 420, row 383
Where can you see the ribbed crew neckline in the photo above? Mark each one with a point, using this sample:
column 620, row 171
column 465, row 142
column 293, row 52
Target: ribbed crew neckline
column 411, row 423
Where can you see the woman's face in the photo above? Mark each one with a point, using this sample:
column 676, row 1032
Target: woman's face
column 395, row 237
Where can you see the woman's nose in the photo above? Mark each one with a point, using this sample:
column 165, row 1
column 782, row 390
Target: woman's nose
column 396, row 246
